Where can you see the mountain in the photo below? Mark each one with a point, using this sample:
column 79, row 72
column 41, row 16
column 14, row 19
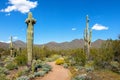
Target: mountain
column 76, row 43
column 19, row 44
column 97, row 43
column 16, row 44
column 4, row 45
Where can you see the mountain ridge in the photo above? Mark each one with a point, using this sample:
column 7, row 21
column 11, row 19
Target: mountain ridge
column 76, row 43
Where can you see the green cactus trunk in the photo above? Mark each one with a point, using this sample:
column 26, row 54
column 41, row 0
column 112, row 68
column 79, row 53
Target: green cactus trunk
column 30, row 21
column 11, row 47
column 87, row 39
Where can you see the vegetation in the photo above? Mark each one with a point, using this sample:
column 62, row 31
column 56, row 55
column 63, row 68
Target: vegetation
column 105, row 59
column 59, row 61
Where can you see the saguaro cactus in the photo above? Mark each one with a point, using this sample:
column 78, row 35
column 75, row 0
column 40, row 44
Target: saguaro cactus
column 11, row 47
column 30, row 21
column 87, row 38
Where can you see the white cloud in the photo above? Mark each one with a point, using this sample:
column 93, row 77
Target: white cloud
column 22, row 6
column 15, row 38
column 73, row 29
column 2, row 41
column 5, row 41
column 8, row 41
column 99, row 27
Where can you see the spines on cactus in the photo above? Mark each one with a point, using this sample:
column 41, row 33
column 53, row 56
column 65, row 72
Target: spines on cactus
column 87, row 38
column 30, row 21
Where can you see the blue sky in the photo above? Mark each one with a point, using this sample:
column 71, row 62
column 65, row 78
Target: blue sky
column 59, row 20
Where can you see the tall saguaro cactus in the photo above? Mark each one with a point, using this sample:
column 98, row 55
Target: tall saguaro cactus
column 11, row 46
column 30, row 21
column 87, row 38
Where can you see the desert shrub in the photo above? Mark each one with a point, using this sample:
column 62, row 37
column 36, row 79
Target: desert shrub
column 22, row 72
column 115, row 66
column 4, row 52
column 31, row 76
column 49, row 59
column 73, row 71
column 89, row 66
column 39, row 74
column 3, row 70
column 41, row 53
column 38, row 61
column 3, row 77
column 22, row 78
column 21, row 59
column 65, row 65
column 104, row 55
column 11, row 66
column 46, row 69
column 46, row 66
column 53, row 58
column 8, row 59
column 59, row 61
column 81, row 77
column 79, row 67
column 76, row 57
column 19, row 73
column 38, row 65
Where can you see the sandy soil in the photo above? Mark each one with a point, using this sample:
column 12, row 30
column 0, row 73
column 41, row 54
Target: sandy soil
column 57, row 73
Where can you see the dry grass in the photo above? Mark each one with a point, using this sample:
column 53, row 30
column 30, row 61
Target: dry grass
column 107, row 75
column 97, row 74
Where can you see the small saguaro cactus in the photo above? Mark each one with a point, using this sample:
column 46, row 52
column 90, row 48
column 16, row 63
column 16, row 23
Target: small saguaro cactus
column 30, row 21
column 87, row 38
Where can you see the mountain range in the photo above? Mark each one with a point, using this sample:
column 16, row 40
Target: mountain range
column 76, row 43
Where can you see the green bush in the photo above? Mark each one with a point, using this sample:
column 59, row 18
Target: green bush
column 3, row 70
column 22, row 72
column 115, row 66
column 46, row 66
column 76, row 57
column 53, row 58
column 39, row 74
column 49, row 59
column 82, row 77
column 8, row 59
column 11, row 66
column 89, row 66
column 31, row 76
column 22, row 78
column 21, row 60
column 65, row 65
column 46, row 69
column 3, row 77
column 79, row 67
column 59, row 61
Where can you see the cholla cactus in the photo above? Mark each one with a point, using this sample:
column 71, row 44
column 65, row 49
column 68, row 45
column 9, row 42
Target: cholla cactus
column 30, row 21
column 87, row 38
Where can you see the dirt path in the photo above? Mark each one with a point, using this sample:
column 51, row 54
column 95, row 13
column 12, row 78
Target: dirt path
column 57, row 73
